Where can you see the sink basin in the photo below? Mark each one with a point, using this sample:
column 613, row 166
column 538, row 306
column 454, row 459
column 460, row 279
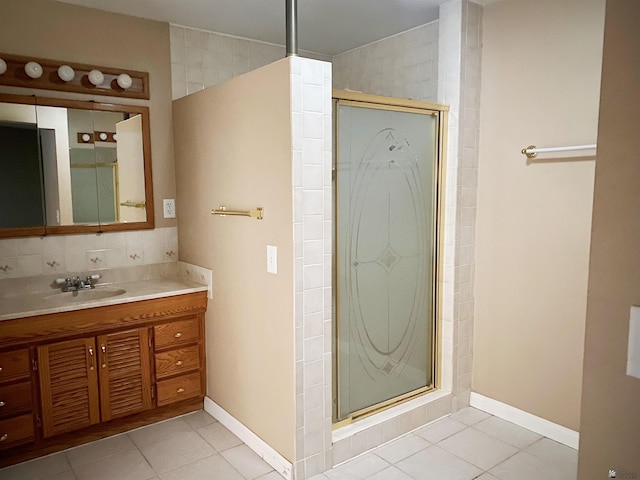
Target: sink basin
column 87, row 295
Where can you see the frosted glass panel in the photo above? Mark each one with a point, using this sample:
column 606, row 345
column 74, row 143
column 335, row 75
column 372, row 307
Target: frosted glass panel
column 385, row 192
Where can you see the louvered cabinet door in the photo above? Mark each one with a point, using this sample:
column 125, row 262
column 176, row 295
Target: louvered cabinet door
column 125, row 376
column 68, row 386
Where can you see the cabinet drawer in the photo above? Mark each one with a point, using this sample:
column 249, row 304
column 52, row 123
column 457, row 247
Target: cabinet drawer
column 16, row 430
column 15, row 398
column 14, row 365
column 176, row 389
column 180, row 332
column 177, row 361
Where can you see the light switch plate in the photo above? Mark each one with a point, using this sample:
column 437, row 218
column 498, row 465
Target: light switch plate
column 272, row 259
column 633, row 353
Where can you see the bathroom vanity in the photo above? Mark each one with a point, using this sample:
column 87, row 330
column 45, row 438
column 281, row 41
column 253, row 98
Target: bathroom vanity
column 74, row 369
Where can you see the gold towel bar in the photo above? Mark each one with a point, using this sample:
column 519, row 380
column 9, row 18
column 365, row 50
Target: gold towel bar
column 222, row 211
column 133, row 204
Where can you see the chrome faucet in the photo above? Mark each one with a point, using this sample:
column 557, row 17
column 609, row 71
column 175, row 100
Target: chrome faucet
column 73, row 284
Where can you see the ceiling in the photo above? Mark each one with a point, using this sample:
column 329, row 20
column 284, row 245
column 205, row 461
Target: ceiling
column 327, row 27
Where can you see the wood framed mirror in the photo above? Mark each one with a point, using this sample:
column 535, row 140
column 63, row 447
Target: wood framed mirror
column 69, row 166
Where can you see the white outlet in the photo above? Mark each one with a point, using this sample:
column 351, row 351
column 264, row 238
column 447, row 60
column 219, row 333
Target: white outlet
column 169, row 206
column 272, row 259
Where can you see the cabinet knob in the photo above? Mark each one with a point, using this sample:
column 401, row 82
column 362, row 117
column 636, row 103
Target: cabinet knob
column 178, row 363
column 104, row 355
column 2, row 403
column 4, row 437
column 0, row 369
column 91, row 367
column 180, row 390
column 178, row 335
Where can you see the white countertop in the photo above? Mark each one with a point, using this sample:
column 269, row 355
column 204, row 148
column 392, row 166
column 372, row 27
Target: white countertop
column 54, row 301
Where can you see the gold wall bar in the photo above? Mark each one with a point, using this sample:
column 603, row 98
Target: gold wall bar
column 222, row 211
column 133, row 204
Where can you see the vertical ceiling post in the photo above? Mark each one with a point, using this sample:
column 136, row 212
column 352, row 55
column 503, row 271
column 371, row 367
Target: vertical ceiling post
column 292, row 27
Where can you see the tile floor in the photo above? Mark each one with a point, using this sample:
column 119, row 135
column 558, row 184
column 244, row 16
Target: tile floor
column 469, row 444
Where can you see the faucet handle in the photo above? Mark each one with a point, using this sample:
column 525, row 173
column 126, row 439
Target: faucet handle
column 61, row 281
column 95, row 276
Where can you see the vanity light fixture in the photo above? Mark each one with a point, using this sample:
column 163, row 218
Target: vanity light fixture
column 96, row 77
column 66, row 73
column 124, row 81
column 41, row 73
column 33, row 69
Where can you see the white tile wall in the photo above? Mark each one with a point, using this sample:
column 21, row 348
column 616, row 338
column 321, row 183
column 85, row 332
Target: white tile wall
column 33, row 256
column 460, row 45
column 312, row 204
column 200, row 58
column 405, row 66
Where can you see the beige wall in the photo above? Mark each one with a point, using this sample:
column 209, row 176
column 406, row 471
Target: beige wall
column 233, row 148
column 58, row 31
column 540, row 85
column 610, row 422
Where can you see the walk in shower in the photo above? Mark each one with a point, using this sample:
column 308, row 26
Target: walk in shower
column 388, row 164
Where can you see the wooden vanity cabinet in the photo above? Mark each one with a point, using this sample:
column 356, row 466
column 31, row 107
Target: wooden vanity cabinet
column 71, row 377
column 16, row 398
column 91, row 380
column 177, row 360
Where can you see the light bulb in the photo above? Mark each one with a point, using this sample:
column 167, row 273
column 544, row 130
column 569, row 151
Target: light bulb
column 115, row 137
column 66, row 73
column 86, row 137
column 33, row 69
column 3, row 66
column 124, row 81
column 96, row 77
column 103, row 136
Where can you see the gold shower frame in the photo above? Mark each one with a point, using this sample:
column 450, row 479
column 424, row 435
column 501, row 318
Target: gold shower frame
column 343, row 97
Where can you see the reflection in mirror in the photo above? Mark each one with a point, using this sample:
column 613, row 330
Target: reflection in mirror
column 73, row 167
column 21, row 187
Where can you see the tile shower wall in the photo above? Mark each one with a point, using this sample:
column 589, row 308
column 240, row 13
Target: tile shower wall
column 33, row 256
column 459, row 87
column 200, row 59
column 459, row 53
column 312, row 216
column 405, row 66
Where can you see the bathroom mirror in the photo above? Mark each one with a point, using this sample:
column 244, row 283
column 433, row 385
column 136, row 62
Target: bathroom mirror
column 70, row 166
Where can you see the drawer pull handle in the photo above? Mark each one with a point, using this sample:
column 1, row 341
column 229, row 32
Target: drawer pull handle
column 2, row 403
column 4, row 437
column 178, row 363
column 180, row 390
column 178, row 335
column 0, row 369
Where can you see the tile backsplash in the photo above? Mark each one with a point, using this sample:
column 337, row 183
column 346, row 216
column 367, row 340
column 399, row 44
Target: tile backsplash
column 33, row 256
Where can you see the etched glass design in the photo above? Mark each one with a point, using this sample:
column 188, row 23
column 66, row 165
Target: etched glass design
column 385, row 193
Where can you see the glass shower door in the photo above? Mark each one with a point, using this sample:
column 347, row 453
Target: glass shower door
column 386, row 206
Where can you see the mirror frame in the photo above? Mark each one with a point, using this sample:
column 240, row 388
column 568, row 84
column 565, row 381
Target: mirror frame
column 146, row 147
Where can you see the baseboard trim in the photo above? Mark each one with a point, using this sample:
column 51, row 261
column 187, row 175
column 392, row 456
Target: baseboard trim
column 255, row 443
column 532, row 422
